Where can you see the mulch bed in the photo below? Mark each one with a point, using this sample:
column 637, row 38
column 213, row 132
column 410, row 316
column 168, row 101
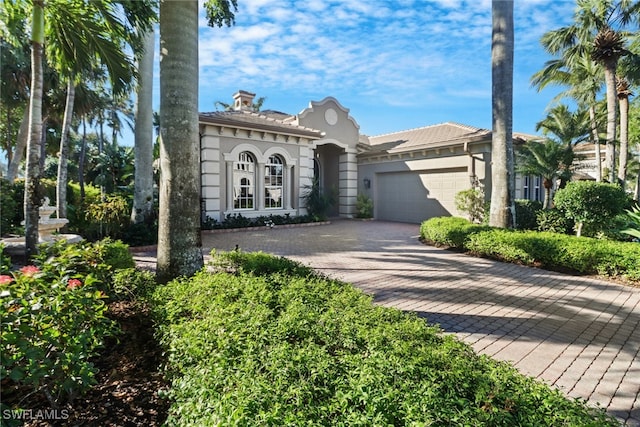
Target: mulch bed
column 128, row 382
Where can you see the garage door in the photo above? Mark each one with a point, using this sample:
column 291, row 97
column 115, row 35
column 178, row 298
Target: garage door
column 418, row 195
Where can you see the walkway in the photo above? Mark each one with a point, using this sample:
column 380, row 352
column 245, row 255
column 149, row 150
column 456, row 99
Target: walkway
column 579, row 334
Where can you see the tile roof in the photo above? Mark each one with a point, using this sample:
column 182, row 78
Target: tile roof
column 269, row 120
column 438, row 135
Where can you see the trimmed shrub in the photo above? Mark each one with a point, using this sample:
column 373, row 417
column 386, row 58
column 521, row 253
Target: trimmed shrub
column 286, row 349
column 591, row 205
column 526, row 214
column 364, row 206
column 448, row 231
column 471, row 202
column 555, row 221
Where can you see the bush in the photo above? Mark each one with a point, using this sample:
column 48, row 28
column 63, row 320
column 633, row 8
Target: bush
column 288, row 349
column 319, row 202
column 100, row 259
column 51, row 325
column 113, row 216
column 448, row 231
column 364, row 207
column 591, row 205
column 11, row 207
column 471, row 202
column 527, row 214
column 239, row 221
column 131, row 284
column 555, row 221
column 544, row 249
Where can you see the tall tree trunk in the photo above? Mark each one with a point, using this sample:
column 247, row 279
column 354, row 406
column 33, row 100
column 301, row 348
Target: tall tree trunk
column 143, row 179
column 612, row 98
column 502, row 164
column 21, row 144
column 179, row 240
column 61, row 184
column 596, row 141
column 33, row 172
column 83, row 156
column 624, row 140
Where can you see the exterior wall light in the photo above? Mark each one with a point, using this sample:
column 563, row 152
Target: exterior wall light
column 367, row 183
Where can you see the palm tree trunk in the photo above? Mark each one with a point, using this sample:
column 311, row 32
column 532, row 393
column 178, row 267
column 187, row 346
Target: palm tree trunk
column 502, row 176
column 143, row 178
column 596, row 141
column 61, row 184
column 624, row 140
column 33, row 172
column 82, row 157
column 179, row 240
column 612, row 98
column 21, row 144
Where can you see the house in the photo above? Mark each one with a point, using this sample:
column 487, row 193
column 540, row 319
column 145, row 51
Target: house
column 261, row 163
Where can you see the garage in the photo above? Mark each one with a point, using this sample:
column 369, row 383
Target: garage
column 414, row 196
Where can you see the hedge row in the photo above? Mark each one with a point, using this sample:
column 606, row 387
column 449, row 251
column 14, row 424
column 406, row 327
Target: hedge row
column 267, row 342
column 552, row 251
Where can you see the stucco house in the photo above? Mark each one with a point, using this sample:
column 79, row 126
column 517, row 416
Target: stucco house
column 261, row 163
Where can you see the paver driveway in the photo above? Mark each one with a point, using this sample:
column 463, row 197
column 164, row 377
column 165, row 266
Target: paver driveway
column 579, row 334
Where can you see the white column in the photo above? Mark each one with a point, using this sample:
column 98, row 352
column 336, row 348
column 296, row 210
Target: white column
column 229, row 185
column 259, row 188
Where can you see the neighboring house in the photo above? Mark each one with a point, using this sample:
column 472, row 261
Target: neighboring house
column 261, row 163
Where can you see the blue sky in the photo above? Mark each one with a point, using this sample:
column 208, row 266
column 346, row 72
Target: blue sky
column 395, row 64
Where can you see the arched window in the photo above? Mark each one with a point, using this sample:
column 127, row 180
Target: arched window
column 244, row 171
column 274, row 183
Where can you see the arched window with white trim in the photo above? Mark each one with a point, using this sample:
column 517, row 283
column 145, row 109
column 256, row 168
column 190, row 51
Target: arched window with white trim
column 244, row 179
column 274, row 183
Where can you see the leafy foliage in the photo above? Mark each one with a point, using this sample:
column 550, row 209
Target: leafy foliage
column 555, row 221
column 364, row 206
column 449, row 231
column 54, row 318
column 527, row 214
column 591, row 204
column 544, row 249
column 471, row 202
column 11, row 212
column 273, row 346
column 318, row 202
column 634, row 216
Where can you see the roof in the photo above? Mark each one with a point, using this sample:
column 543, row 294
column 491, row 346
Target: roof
column 433, row 136
column 270, row 120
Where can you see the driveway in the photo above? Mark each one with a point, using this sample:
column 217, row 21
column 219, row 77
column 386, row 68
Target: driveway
column 576, row 333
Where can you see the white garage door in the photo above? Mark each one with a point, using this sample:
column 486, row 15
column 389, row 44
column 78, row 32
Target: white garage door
column 418, row 195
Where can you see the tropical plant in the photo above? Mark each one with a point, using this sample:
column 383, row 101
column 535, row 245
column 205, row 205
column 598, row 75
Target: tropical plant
column 364, row 206
column 591, row 204
column 502, row 212
column 317, row 201
column 633, row 215
column 549, row 159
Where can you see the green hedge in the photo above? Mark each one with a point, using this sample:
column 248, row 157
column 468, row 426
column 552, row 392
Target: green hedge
column 289, row 347
column 545, row 249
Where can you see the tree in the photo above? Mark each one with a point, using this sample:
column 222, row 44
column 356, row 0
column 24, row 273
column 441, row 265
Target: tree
column 142, row 209
column 549, row 159
column 624, row 93
column 33, row 171
column 502, row 172
column 179, row 240
column 583, row 78
column 591, row 204
column 598, row 33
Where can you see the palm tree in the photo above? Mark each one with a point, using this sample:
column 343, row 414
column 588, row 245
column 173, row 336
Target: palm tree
column 597, row 33
column 142, row 209
column 179, row 240
column 549, row 159
column 33, row 171
column 502, row 171
column 97, row 37
column 584, row 81
column 624, row 92
column 608, row 47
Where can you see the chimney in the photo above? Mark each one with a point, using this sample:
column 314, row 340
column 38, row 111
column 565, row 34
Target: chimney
column 243, row 101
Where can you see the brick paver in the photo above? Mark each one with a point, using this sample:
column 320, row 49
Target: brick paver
column 576, row 333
